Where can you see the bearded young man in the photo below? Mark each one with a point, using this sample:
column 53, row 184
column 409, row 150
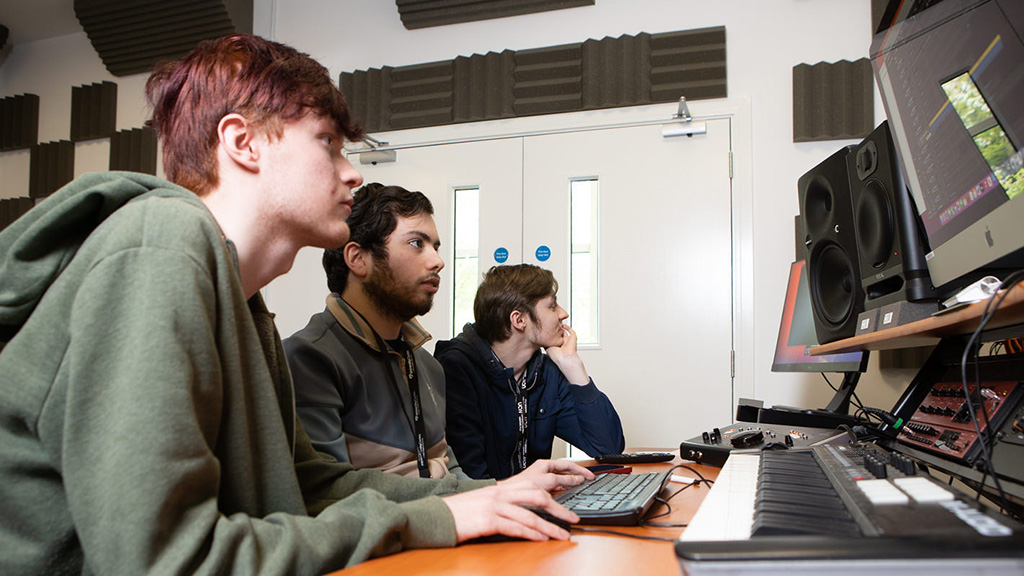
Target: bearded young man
column 367, row 391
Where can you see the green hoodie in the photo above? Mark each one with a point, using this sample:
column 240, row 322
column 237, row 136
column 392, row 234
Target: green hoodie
column 146, row 419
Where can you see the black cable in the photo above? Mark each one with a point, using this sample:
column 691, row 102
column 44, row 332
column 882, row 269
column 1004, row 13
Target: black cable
column 854, row 399
column 702, row 479
column 668, row 510
column 991, row 305
column 700, row 476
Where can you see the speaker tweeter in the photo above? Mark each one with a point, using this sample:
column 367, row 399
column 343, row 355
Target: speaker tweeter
column 890, row 239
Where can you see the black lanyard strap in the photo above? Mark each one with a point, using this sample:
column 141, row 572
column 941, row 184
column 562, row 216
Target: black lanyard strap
column 416, row 425
column 519, row 390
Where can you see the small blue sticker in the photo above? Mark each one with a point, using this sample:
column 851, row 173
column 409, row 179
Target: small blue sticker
column 501, row 255
column 543, row 253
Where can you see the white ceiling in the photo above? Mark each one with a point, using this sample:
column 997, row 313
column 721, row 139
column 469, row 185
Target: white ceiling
column 31, row 20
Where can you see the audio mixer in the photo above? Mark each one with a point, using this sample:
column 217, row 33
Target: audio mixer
column 714, row 446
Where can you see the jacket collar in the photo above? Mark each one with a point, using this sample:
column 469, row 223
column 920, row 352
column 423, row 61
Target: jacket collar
column 481, row 351
column 353, row 323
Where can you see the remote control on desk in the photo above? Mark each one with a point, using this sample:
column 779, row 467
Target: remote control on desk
column 635, row 458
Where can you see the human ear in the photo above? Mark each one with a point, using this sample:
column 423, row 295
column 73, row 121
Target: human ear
column 516, row 320
column 237, row 138
column 357, row 259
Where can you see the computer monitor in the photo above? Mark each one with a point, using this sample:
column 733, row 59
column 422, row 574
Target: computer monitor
column 796, row 336
column 951, row 77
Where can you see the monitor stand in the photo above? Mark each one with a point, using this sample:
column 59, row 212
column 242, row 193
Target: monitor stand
column 840, row 403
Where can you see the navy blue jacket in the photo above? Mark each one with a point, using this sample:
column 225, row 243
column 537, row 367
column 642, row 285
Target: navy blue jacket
column 482, row 422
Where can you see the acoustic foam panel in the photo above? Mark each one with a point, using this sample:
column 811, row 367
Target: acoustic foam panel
column 483, row 87
column 688, row 63
column 134, row 150
column 833, row 101
column 426, row 13
column 607, row 73
column 421, row 95
column 19, row 122
column 93, row 111
column 548, row 80
column 13, row 208
column 52, row 165
column 131, row 36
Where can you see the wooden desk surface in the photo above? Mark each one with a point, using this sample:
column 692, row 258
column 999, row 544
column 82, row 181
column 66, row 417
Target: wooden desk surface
column 583, row 553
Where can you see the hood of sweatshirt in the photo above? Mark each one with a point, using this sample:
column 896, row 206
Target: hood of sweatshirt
column 475, row 349
column 37, row 247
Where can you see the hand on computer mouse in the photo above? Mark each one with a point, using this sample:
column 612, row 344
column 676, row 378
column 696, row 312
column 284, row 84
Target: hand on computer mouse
column 549, row 517
column 505, row 509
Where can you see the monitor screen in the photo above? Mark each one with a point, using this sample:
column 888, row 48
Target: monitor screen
column 951, row 76
column 796, row 334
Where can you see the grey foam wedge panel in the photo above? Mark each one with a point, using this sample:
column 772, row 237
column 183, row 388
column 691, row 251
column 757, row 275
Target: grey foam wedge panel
column 606, row 73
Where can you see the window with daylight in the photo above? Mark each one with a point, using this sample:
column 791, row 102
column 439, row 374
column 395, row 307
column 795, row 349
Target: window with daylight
column 583, row 285
column 466, row 260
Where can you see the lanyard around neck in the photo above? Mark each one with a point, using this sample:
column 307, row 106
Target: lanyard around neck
column 416, row 425
column 519, row 390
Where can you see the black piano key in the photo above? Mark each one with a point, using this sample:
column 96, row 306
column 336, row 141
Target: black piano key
column 773, row 524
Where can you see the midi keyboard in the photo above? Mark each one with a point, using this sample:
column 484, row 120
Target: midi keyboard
column 843, row 509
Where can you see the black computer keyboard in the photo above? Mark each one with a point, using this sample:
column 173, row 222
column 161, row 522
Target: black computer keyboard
column 616, row 499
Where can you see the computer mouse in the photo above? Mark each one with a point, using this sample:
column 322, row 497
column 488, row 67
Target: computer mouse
column 550, row 518
column 539, row 512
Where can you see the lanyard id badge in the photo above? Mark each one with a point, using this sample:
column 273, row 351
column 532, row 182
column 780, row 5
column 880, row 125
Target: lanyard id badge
column 419, row 428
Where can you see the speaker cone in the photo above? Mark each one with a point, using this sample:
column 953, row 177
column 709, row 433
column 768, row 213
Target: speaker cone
column 833, row 281
column 875, row 224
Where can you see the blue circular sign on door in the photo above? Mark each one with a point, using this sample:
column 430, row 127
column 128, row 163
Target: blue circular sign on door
column 501, row 255
column 543, row 253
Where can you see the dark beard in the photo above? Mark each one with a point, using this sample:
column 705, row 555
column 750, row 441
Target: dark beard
column 390, row 298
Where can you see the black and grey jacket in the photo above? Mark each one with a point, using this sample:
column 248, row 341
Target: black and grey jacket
column 349, row 403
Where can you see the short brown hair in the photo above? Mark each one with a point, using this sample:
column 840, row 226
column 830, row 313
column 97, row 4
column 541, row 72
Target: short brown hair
column 265, row 81
column 506, row 289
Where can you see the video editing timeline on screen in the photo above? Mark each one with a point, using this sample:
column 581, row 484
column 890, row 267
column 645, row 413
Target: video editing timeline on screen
column 943, row 425
column 713, row 447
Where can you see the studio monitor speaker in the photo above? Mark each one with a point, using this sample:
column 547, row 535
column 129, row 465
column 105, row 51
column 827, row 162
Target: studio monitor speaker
column 830, row 248
column 890, row 238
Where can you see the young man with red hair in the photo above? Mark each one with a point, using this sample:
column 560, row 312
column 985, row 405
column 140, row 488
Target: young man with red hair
column 147, row 418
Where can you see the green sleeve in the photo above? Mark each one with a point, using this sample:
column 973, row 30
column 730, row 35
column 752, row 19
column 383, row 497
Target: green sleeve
column 138, row 440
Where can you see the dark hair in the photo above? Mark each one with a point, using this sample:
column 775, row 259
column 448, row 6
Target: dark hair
column 506, row 289
column 374, row 217
column 265, row 81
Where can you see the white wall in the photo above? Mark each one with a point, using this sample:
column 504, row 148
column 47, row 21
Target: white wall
column 765, row 39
